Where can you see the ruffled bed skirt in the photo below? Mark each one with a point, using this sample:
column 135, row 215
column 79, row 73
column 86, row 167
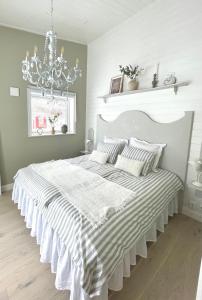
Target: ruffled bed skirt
column 54, row 251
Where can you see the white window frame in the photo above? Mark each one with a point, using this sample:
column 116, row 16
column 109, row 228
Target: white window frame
column 71, row 125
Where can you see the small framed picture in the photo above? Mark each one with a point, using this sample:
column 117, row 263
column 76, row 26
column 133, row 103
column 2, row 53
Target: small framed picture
column 116, row 85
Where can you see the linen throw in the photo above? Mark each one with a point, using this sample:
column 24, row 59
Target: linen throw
column 95, row 197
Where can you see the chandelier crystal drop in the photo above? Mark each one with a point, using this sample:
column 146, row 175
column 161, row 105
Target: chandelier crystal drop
column 51, row 72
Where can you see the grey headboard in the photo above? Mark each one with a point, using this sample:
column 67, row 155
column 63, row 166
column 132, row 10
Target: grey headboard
column 176, row 135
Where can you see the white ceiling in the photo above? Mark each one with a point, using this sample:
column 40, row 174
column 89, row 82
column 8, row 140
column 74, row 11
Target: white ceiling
column 77, row 20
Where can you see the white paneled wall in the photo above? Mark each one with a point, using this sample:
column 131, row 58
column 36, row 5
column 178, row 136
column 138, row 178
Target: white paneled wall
column 168, row 32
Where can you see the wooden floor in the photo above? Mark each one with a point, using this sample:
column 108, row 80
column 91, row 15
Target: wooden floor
column 169, row 273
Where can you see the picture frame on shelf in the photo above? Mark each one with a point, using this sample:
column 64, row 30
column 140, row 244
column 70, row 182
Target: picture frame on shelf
column 116, row 85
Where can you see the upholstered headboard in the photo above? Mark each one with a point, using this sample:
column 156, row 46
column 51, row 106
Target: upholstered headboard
column 176, row 135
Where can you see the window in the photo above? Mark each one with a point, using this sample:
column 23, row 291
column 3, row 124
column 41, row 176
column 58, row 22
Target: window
column 51, row 117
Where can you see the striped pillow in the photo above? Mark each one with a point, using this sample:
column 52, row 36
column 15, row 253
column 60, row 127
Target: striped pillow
column 112, row 149
column 141, row 155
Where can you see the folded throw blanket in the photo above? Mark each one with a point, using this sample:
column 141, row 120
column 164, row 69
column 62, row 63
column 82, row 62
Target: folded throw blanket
column 95, row 197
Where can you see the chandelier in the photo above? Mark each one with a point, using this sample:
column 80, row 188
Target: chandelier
column 51, row 72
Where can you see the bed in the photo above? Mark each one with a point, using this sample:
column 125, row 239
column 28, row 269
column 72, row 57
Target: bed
column 88, row 260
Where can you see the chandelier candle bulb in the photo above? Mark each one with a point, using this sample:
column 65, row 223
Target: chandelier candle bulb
column 157, row 69
column 35, row 50
column 62, row 51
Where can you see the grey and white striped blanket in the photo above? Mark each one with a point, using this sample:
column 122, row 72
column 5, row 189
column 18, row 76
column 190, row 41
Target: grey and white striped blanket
column 98, row 251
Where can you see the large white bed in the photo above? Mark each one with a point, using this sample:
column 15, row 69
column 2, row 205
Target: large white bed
column 89, row 260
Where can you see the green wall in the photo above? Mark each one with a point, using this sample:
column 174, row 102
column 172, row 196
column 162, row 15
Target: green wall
column 16, row 149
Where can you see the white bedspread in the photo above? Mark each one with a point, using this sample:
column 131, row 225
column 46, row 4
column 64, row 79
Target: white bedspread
column 95, row 197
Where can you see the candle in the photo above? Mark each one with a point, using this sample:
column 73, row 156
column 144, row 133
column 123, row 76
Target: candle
column 27, row 54
column 62, row 51
column 157, row 69
column 35, row 50
column 77, row 62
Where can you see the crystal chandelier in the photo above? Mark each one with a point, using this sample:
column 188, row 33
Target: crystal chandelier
column 51, row 72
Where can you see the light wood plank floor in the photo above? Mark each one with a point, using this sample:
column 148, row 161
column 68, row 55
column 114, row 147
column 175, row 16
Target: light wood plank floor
column 169, row 273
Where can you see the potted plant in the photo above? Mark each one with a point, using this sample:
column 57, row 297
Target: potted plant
column 132, row 73
column 53, row 119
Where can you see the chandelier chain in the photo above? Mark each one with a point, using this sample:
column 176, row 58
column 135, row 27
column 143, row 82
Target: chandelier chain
column 52, row 23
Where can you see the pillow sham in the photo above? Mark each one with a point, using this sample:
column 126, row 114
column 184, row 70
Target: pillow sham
column 141, row 155
column 111, row 149
column 131, row 166
column 156, row 148
column 99, row 157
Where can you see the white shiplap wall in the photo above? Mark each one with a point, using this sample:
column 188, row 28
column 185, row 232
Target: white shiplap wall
column 168, row 32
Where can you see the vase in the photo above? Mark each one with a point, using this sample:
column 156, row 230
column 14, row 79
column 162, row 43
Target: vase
column 53, row 130
column 133, row 84
column 64, row 129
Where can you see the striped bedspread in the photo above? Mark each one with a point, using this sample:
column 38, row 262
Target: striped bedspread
column 98, row 251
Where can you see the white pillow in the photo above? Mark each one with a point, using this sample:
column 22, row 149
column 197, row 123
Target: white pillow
column 131, row 166
column 112, row 140
column 156, row 148
column 100, row 157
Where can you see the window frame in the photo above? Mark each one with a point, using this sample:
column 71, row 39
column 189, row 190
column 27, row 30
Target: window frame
column 56, row 93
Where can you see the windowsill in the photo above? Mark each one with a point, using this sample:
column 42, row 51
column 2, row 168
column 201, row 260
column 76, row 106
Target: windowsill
column 51, row 135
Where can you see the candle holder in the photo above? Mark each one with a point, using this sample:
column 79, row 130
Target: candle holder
column 155, row 80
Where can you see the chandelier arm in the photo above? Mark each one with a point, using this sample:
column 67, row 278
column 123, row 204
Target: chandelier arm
column 59, row 73
column 40, row 79
column 37, row 69
column 34, row 61
column 72, row 76
column 65, row 77
column 27, row 72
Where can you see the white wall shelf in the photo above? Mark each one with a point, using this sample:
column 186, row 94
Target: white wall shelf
column 175, row 87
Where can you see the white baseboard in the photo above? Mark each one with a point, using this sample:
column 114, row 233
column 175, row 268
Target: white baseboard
column 7, row 187
column 192, row 213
